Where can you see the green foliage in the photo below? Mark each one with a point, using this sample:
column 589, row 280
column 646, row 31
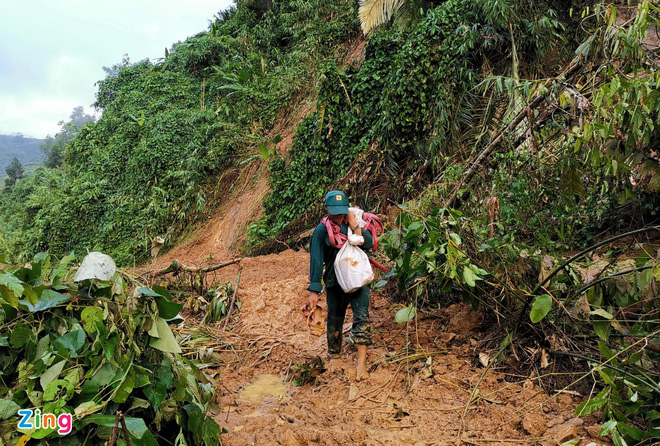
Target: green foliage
column 92, row 350
column 53, row 147
column 540, row 307
column 430, row 257
column 14, row 172
column 601, row 140
column 219, row 303
column 406, row 106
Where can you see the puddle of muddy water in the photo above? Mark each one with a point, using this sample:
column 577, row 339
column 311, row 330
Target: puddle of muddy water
column 264, row 386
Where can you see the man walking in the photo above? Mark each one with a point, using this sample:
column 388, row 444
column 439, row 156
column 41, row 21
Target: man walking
column 321, row 267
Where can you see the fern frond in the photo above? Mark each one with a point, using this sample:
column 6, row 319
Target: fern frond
column 374, row 13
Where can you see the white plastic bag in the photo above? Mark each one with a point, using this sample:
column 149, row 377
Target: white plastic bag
column 352, row 268
column 358, row 216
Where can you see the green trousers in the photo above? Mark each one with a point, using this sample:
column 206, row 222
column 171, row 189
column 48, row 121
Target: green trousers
column 338, row 302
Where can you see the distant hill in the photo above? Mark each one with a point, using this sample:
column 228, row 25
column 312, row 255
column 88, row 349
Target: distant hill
column 25, row 149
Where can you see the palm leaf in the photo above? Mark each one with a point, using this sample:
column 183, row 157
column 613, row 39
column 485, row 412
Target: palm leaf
column 374, row 13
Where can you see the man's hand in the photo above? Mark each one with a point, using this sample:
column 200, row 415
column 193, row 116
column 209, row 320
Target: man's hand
column 313, row 300
column 351, row 219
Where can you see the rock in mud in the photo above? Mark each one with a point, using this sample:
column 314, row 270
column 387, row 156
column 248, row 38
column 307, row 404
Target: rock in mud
column 533, row 424
column 563, row 432
column 463, row 320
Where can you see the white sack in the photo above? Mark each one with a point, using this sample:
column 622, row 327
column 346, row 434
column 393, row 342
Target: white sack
column 352, row 268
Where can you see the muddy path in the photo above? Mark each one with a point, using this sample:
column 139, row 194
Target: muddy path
column 422, row 376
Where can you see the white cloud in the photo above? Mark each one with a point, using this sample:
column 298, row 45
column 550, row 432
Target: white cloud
column 52, row 52
column 151, row 29
column 34, row 115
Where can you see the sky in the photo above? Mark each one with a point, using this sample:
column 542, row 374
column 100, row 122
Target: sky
column 52, row 51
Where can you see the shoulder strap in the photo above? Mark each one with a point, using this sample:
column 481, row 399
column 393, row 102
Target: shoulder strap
column 337, row 239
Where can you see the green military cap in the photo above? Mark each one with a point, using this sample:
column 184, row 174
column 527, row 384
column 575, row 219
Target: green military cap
column 337, row 202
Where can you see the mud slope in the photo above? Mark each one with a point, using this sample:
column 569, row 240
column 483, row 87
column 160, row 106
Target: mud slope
column 414, row 397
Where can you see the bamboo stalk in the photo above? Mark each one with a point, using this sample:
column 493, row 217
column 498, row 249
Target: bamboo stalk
column 233, row 298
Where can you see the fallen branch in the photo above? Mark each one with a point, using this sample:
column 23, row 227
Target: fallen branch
column 177, row 266
column 233, row 298
column 490, row 148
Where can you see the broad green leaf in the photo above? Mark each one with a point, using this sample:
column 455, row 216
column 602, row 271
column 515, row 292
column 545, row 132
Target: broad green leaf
column 168, row 310
column 48, row 299
column 469, row 277
column 89, row 318
column 147, row 292
column 158, row 391
column 605, row 351
column 142, row 376
column 74, row 375
column 153, row 330
column 593, row 404
column 11, row 288
column 54, row 389
column 602, row 329
column 87, row 408
column 125, row 389
column 36, row 398
column 602, row 313
column 630, row 431
column 21, row 335
column 617, row 439
column 540, row 307
column 162, row 291
column 607, row 427
column 210, row 431
column 104, row 375
column 139, row 403
column 166, row 341
column 380, row 284
column 51, row 373
column 30, row 295
column 405, row 314
column 605, row 376
column 109, row 344
column 195, row 419
column 73, row 341
column 455, row 238
column 8, row 409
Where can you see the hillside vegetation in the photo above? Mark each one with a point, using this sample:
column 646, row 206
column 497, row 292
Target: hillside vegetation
column 513, row 146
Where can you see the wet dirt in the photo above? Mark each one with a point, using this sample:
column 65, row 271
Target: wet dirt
column 264, row 386
column 422, row 376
